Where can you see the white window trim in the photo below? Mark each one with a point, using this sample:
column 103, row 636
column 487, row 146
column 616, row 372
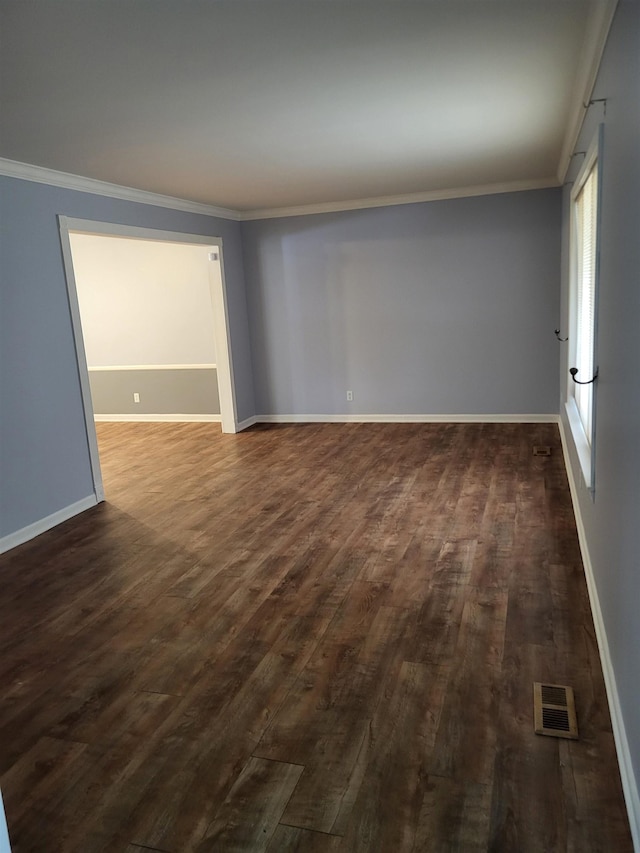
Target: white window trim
column 585, row 447
column 584, row 450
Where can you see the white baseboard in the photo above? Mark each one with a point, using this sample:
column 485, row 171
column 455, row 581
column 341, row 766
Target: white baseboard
column 407, row 419
column 19, row 537
column 125, row 368
column 246, row 423
column 629, row 783
column 334, row 419
column 205, row 419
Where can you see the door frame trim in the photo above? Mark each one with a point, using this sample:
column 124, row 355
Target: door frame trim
column 217, row 285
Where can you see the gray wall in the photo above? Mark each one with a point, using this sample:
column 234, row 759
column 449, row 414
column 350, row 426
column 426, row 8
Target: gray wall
column 162, row 391
column 445, row 307
column 612, row 519
column 44, row 460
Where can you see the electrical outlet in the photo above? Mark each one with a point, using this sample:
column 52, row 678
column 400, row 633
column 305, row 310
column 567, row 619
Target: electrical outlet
column 136, row 397
column 349, row 396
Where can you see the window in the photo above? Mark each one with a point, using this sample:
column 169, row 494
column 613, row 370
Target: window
column 585, row 207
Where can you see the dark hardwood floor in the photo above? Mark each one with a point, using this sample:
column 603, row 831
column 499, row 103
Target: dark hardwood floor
column 311, row 638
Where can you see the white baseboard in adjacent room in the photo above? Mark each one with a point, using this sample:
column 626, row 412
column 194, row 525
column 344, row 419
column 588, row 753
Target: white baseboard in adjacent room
column 335, row 419
column 629, row 783
column 205, row 419
column 19, row 537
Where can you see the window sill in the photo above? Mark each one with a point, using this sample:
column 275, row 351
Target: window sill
column 583, row 448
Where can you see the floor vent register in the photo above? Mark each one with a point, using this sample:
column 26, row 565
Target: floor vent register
column 541, row 450
column 554, row 710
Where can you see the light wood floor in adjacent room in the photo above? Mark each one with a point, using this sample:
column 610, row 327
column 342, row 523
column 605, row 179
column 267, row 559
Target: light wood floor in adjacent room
column 312, row 638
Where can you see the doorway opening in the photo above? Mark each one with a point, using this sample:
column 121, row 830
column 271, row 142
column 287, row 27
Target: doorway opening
column 181, row 362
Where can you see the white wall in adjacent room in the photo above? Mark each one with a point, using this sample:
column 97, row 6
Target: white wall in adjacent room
column 143, row 302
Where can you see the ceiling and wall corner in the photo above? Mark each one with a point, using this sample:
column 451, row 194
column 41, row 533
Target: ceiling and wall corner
column 250, row 110
column 597, row 30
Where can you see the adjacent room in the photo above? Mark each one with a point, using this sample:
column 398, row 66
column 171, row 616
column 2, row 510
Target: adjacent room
column 319, row 423
column 146, row 312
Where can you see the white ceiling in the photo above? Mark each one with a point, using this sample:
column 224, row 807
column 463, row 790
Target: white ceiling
column 271, row 104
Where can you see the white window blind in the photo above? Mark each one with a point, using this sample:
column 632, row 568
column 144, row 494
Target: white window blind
column 586, row 207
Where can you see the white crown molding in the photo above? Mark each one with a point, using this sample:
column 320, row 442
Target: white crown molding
column 595, row 39
column 408, row 419
column 40, row 175
column 407, row 198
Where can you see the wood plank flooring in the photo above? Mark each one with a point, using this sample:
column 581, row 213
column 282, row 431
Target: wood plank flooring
column 317, row 638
